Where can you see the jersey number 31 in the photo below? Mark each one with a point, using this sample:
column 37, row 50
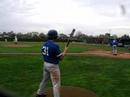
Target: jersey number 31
column 45, row 51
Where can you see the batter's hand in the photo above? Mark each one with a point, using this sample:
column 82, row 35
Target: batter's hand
column 64, row 53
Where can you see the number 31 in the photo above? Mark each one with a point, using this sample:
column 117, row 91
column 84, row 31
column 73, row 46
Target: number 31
column 45, row 51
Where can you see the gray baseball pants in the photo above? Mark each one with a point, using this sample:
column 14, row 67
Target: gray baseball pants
column 50, row 71
column 114, row 49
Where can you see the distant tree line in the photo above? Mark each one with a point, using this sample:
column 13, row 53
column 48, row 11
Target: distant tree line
column 78, row 37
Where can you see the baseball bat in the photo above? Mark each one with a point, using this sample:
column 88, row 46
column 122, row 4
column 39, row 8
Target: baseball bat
column 71, row 35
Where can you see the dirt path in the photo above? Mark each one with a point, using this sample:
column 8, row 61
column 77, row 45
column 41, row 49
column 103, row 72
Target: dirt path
column 90, row 53
column 108, row 54
column 72, row 92
column 103, row 54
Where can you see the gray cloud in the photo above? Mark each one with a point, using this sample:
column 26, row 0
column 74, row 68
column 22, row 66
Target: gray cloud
column 15, row 15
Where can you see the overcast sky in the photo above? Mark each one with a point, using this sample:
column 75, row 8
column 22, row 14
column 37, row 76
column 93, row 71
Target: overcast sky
column 92, row 17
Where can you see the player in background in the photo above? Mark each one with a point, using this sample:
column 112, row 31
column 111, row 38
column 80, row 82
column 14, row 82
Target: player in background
column 114, row 46
column 51, row 56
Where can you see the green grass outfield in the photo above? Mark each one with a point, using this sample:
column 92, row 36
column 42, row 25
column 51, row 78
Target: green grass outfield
column 107, row 77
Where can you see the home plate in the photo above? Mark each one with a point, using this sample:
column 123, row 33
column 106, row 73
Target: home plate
column 72, row 92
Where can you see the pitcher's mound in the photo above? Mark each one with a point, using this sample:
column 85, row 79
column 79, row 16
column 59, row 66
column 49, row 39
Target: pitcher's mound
column 72, row 92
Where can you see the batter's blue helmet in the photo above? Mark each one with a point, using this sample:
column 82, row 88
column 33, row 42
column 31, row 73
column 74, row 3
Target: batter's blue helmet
column 52, row 34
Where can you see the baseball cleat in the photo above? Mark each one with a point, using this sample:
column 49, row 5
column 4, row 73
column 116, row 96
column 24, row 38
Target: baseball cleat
column 42, row 95
column 115, row 54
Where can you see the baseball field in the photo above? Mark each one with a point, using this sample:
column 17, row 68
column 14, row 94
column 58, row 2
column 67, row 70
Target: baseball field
column 101, row 72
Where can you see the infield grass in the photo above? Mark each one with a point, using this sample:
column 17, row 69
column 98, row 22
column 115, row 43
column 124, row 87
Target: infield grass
column 107, row 77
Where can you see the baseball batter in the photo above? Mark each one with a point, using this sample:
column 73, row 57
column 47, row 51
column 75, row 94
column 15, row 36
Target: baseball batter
column 51, row 56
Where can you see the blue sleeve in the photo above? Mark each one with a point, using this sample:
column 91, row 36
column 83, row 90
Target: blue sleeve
column 58, row 52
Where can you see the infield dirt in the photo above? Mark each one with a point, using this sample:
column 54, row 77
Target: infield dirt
column 87, row 53
column 72, row 92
